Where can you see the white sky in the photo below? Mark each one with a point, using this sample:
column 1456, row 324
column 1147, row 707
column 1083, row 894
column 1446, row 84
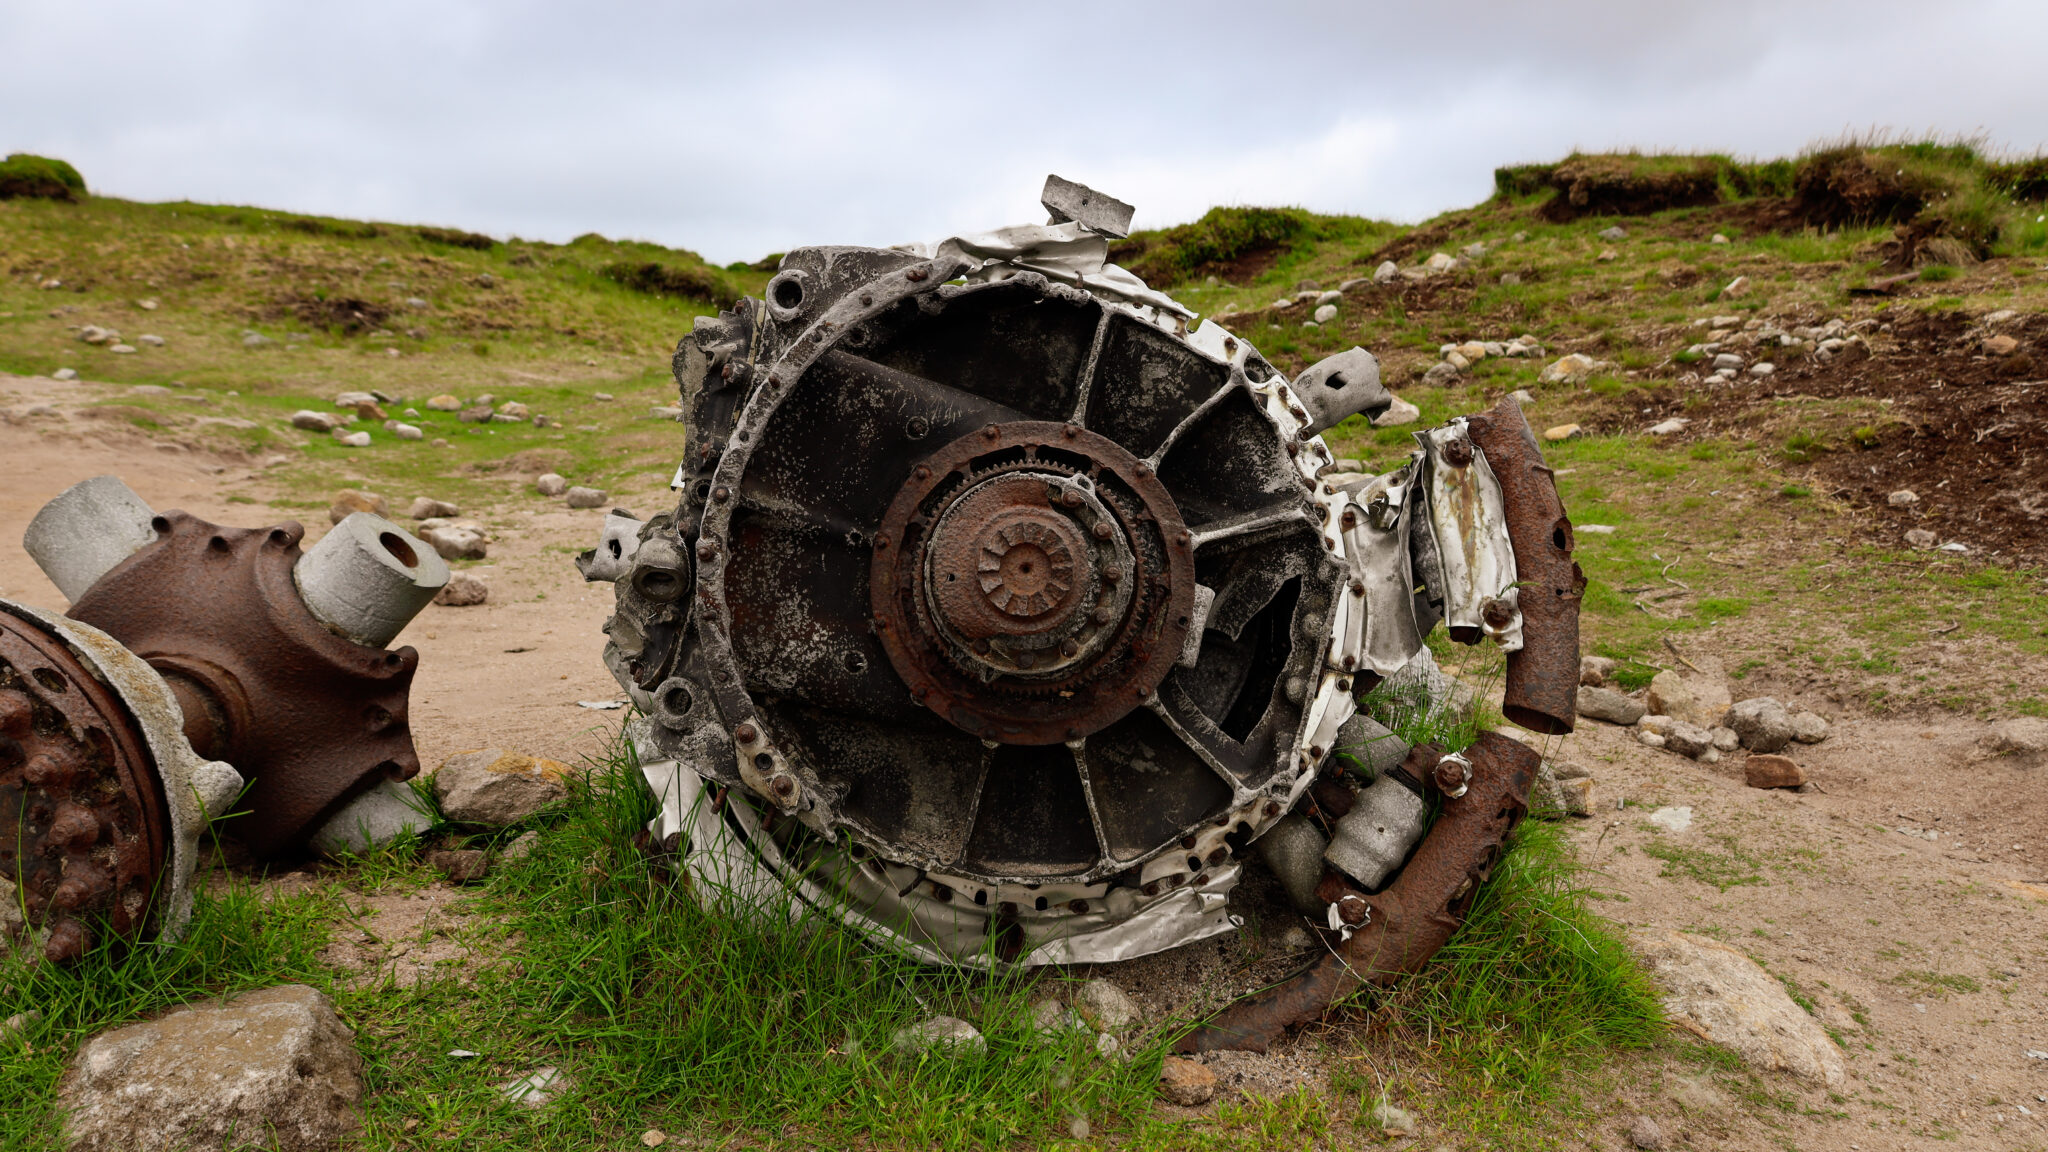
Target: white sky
column 740, row 129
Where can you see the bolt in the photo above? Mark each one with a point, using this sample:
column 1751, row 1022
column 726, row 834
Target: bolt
column 1077, row 907
column 1182, row 538
column 1358, row 587
column 745, row 733
column 783, row 786
column 1457, row 453
column 1497, row 614
column 1071, row 431
column 881, row 541
column 1315, row 751
column 921, row 472
column 1230, row 345
column 943, row 893
column 1101, row 530
column 1272, row 809
column 1099, row 616
column 1218, row 856
column 1144, row 472
column 1112, row 574
column 916, row 274
column 1349, row 519
column 991, row 433
column 1350, row 662
column 1070, row 498
column 721, row 494
column 707, row 550
column 866, row 299
column 1070, row 647
column 1151, row 888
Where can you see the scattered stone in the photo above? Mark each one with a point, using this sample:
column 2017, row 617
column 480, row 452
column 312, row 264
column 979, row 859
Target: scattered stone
column 352, row 439
column 514, row 409
column 1441, row 375
column 1617, row 232
column 1594, row 529
column 1809, row 727
column 1737, row 288
column 1648, row 738
column 19, row 1022
column 498, row 788
column 1727, row 361
column 1457, row 359
column 1955, row 546
column 64, row 374
column 1676, row 819
column 1725, row 739
column 1739, row 1006
column 1595, row 671
column 405, row 431
column 354, row 399
column 538, row 1088
column 313, row 421
column 1325, row 313
column 1921, row 538
column 1473, row 351
column 1187, row 1083
column 670, row 412
column 2000, row 345
column 475, row 414
column 1439, row 262
column 1400, row 412
column 1671, row 427
column 1718, row 239
column 653, row 1138
column 1694, row 699
column 275, row 1063
column 444, row 403
column 521, row 846
column 1577, row 794
column 1645, row 1134
column 94, row 334
column 2025, row 738
column 1106, row 1007
column 1760, row 723
column 1607, row 704
column 148, row 305
column 255, row 340
column 150, row 340
column 426, row 508
column 550, row 484
column 1386, row 273
column 601, row 397
column 383, row 814
column 1053, row 1020
column 1689, row 740
column 349, row 501
column 460, row 865
column 941, row 1036
column 1769, row 771
column 1903, row 498
column 1474, row 250
column 1510, row 279
column 1396, row 1121
column 1564, row 432
column 1607, row 255
column 1569, row 369
column 585, row 497
column 462, row 591
column 456, row 543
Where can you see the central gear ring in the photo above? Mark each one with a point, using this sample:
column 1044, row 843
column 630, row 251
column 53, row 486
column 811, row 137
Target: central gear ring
column 1032, row 582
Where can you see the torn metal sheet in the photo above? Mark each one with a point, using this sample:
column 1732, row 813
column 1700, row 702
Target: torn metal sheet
column 1471, row 537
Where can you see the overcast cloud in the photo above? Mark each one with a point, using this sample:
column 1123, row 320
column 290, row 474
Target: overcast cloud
column 738, row 130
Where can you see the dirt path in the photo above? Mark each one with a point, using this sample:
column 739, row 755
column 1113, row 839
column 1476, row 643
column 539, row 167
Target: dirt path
column 506, row 673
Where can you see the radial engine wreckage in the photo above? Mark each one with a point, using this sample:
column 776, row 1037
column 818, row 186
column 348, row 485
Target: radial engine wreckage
column 1005, row 608
column 200, row 670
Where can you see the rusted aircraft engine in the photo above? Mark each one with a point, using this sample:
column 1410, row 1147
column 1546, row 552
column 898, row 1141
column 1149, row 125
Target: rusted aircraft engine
column 1002, row 610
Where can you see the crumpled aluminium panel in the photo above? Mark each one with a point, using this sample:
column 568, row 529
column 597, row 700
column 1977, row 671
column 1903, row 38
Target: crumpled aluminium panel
column 750, row 806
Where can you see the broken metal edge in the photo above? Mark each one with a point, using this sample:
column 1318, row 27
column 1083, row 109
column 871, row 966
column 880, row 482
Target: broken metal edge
column 195, row 789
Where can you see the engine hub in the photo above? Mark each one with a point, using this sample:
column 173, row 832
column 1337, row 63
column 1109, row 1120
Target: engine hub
column 1032, row 582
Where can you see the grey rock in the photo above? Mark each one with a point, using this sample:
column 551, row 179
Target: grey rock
column 550, row 484
column 1398, row 413
column 1325, row 313
column 64, row 374
column 1688, row 739
column 1106, row 1007
column 1596, row 671
column 1649, row 739
column 1738, row 1005
column 1728, row 360
column 275, row 1066
column 1761, row 723
column 1186, row 1082
column 1617, row 232
column 460, row 865
column 1921, row 538
column 19, row 1022
column 378, row 816
column 313, row 421
column 1511, row 280
column 1645, row 1134
column 427, row 508
column 456, row 543
column 941, row 1036
column 1609, row 705
column 1441, row 375
column 462, row 591
column 495, row 787
column 1724, row 738
column 1054, row 1020
column 351, row 439
column 2024, row 738
column 1903, row 498
column 255, row 340
column 150, row 340
column 406, row 431
column 1697, row 700
column 1809, row 727
column 585, row 497
column 521, row 846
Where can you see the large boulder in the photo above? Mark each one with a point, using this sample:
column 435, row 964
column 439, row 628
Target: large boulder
column 1700, row 700
column 1729, row 999
column 274, row 1069
column 2025, row 739
column 1760, row 723
column 496, row 787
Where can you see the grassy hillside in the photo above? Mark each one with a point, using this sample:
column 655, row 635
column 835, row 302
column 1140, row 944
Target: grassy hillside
column 262, row 313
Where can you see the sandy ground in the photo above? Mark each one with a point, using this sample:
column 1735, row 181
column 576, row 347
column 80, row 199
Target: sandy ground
column 1927, row 958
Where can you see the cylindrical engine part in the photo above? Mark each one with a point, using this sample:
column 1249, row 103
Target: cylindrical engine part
column 1293, row 849
column 368, row 578
column 87, row 529
column 1379, row 833
column 1371, row 745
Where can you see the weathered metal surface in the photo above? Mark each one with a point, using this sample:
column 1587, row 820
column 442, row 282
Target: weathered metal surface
column 1467, row 521
column 311, row 717
column 1542, row 677
column 87, row 833
column 1404, row 926
column 1096, row 211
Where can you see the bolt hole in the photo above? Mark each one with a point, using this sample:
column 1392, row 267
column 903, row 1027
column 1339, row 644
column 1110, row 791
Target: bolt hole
column 918, row 428
column 612, row 546
column 160, row 525
column 218, row 543
column 855, row 662
column 400, row 551
column 788, row 293
column 676, row 701
column 52, row 679
column 763, row 761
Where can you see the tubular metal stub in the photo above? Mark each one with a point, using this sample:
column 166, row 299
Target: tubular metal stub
column 1377, row 835
column 86, row 530
column 368, row 578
